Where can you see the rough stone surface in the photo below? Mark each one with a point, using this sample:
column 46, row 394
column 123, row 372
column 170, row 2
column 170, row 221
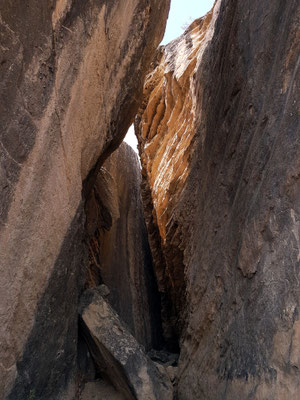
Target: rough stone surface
column 119, row 251
column 233, row 198
column 100, row 390
column 166, row 125
column 118, row 355
column 71, row 76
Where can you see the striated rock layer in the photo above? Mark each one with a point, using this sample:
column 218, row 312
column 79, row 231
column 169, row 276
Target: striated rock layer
column 71, row 76
column 220, row 143
column 119, row 251
column 166, row 126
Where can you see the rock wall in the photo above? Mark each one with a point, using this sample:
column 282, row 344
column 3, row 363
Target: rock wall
column 219, row 141
column 166, row 129
column 120, row 256
column 71, row 80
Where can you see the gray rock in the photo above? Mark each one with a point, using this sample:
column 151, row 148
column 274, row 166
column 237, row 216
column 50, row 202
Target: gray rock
column 103, row 290
column 117, row 353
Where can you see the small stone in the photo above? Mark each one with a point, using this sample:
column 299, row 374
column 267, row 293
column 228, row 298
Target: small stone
column 103, row 290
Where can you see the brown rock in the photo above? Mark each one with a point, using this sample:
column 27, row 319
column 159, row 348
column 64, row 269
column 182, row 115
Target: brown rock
column 119, row 251
column 233, row 198
column 166, row 127
column 100, row 390
column 118, row 355
column 71, row 75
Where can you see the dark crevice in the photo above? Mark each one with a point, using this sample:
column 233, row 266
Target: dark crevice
column 95, row 245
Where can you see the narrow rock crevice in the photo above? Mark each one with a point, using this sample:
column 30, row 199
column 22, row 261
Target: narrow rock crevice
column 176, row 280
column 165, row 127
column 121, row 270
column 222, row 195
column 119, row 253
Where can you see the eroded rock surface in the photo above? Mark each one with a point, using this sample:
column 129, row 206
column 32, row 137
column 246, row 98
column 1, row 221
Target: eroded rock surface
column 220, row 141
column 118, row 355
column 166, row 126
column 120, row 256
column 71, row 76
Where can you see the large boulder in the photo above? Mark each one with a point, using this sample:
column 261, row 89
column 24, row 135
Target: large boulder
column 219, row 139
column 71, row 79
column 118, row 355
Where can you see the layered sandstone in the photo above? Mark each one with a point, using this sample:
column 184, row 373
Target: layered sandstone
column 166, row 126
column 71, row 77
column 219, row 141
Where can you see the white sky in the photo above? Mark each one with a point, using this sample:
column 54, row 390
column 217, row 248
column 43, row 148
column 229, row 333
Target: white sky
column 182, row 13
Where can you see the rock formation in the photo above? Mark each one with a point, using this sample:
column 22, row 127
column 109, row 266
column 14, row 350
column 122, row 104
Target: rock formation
column 219, row 141
column 118, row 355
column 71, row 79
column 119, row 251
column 166, row 128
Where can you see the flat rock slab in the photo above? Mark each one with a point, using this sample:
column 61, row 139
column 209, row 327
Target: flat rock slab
column 117, row 353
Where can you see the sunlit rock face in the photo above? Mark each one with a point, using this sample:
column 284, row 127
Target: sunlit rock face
column 221, row 189
column 166, row 132
column 71, row 79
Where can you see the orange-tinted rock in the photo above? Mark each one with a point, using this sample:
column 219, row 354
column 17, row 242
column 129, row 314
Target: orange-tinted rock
column 167, row 125
column 230, row 226
column 166, row 131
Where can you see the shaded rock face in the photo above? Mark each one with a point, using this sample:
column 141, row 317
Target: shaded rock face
column 119, row 251
column 117, row 353
column 71, row 77
column 233, row 208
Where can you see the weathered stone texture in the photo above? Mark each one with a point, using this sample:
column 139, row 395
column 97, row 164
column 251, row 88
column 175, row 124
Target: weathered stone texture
column 235, row 209
column 119, row 251
column 166, row 125
column 117, row 353
column 71, row 76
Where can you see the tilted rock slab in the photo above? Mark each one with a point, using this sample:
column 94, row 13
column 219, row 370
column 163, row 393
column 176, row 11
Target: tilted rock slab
column 118, row 355
column 71, row 76
column 119, row 250
column 229, row 165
